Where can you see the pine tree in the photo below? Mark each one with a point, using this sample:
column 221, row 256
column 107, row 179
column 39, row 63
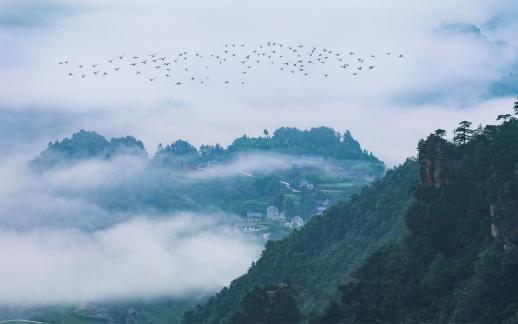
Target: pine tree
column 504, row 117
column 463, row 133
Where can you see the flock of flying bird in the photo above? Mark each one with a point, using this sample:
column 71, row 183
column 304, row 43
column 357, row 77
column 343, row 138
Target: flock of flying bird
column 196, row 67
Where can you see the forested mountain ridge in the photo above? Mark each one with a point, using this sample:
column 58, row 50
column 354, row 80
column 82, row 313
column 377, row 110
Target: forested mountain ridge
column 84, row 145
column 317, row 141
column 299, row 173
column 322, row 141
column 248, row 176
column 459, row 261
column 316, row 259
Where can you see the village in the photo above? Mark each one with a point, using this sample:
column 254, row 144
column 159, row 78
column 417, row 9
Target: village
column 273, row 220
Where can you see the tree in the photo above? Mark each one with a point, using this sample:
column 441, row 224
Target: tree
column 516, row 106
column 463, row 133
column 440, row 132
column 271, row 305
column 504, row 117
column 211, row 152
column 265, row 132
column 180, row 147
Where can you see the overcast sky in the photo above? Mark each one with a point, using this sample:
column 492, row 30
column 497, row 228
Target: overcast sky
column 458, row 59
column 460, row 63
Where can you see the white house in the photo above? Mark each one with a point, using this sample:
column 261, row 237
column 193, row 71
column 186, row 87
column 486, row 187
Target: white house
column 272, row 212
column 247, row 228
column 297, row 222
column 306, row 184
column 254, row 216
column 321, row 210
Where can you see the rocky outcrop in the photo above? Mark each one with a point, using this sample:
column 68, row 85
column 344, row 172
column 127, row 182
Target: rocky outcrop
column 503, row 207
column 441, row 161
column 432, row 158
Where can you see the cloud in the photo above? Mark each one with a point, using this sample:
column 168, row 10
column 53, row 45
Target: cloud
column 32, row 13
column 66, row 197
column 95, row 193
column 142, row 258
column 62, row 244
column 253, row 164
column 438, row 73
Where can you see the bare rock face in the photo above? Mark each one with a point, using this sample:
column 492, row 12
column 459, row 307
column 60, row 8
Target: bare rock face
column 432, row 158
column 441, row 162
column 503, row 208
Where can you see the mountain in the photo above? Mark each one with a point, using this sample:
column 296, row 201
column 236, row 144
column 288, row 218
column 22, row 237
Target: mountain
column 322, row 141
column 456, row 260
column 248, row 176
column 317, row 141
column 316, row 259
column 298, row 172
column 459, row 261
column 86, row 145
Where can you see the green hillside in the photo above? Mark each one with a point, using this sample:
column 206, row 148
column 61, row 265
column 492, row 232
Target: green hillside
column 316, row 259
column 300, row 172
column 248, row 176
column 459, row 260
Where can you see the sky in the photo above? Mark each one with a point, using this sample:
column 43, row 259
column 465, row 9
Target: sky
column 460, row 63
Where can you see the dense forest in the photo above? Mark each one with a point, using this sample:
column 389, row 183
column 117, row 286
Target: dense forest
column 250, row 175
column 84, row 145
column 317, row 141
column 322, row 141
column 316, row 259
column 459, row 261
column 300, row 172
column 456, row 262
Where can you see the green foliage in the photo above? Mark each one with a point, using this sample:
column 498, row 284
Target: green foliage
column 319, row 257
column 271, row 305
column 322, row 141
column 462, row 133
column 166, row 183
column 440, row 132
column 86, row 145
column 337, row 167
column 459, row 260
column 503, row 117
column 211, row 152
column 179, row 147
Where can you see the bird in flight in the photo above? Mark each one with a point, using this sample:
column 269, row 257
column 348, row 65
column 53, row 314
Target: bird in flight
column 242, row 59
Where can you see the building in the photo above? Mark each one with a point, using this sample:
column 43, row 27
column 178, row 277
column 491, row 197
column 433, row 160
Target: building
column 247, row 228
column 254, row 216
column 272, row 212
column 320, row 210
column 297, row 222
column 306, row 185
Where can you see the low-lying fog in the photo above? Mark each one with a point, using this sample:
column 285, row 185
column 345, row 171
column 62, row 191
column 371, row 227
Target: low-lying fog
column 58, row 245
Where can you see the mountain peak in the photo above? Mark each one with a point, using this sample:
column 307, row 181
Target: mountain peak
column 86, row 145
